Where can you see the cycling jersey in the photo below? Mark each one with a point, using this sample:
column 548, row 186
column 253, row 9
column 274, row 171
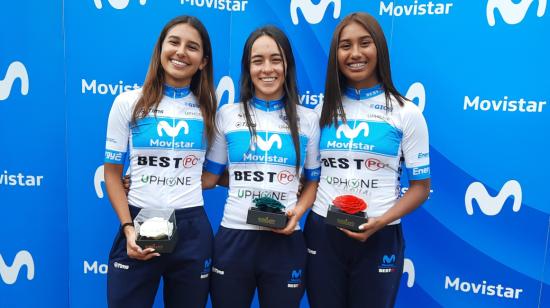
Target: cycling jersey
column 166, row 149
column 264, row 166
column 364, row 156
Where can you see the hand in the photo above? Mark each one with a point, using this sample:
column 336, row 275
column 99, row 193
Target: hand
column 293, row 219
column 126, row 182
column 133, row 250
column 372, row 225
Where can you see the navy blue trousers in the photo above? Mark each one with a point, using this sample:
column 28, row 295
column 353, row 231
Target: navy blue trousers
column 185, row 271
column 345, row 273
column 248, row 259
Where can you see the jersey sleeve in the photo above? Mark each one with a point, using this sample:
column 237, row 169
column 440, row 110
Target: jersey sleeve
column 312, row 165
column 415, row 144
column 216, row 158
column 118, row 131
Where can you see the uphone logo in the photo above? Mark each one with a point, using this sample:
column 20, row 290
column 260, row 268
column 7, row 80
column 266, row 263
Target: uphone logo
column 512, row 13
column 16, row 70
column 267, row 145
column 172, row 131
column 99, row 177
column 313, row 13
column 9, row 273
column 116, row 4
column 352, row 133
column 417, row 94
column 491, row 206
column 408, row 268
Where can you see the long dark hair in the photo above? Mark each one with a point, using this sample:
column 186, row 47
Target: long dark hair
column 202, row 83
column 336, row 81
column 290, row 89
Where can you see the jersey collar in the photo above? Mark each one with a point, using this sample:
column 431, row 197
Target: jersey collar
column 359, row 94
column 173, row 92
column 268, row 105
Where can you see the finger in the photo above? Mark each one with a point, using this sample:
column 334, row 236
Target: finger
column 151, row 256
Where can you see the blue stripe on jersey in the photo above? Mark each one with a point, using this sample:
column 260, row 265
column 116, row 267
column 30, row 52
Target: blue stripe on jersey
column 312, row 174
column 168, row 133
column 362, row 136
column 114, row 157
column 213, row 167
column 176, row 92
column 275, row 148
column 419, row 173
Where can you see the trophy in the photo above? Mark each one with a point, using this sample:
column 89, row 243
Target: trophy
column 156, row 228
column 267, row 212
column 347, row 211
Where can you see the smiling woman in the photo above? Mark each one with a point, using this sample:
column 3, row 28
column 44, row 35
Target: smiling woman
column 159, row 127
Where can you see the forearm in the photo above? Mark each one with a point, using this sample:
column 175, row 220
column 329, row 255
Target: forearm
column 209, row 180
column 417, row 193
column 307, row 197
column 115, row 190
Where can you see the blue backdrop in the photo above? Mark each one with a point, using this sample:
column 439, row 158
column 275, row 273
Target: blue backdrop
column 477, row 69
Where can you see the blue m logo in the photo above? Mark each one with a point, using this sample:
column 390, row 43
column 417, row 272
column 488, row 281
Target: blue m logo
column 296, row 274
column 388, row 259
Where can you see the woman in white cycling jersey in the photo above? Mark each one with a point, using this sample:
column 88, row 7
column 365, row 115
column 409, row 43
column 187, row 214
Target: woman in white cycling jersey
column 266, row 142
column 384, row 132
column 164, row 128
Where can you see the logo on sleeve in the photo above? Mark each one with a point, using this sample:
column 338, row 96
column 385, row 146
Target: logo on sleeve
column 491, row 206
column 9, row 273
column 313, row 13
column 15, row 71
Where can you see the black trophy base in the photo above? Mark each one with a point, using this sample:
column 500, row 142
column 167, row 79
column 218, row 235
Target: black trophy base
column 337, row 218
column 165, row 245
column 266, row 219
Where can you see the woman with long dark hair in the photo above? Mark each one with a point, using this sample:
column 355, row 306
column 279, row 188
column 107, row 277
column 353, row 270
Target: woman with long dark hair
column 267, row 143
column 164, row 128
column 369, row 132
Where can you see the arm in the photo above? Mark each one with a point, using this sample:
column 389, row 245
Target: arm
column 117, row 196
column 209, row 180
column 417, row 193
column 305, row 201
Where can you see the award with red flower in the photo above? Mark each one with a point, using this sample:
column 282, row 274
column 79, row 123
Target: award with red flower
column 347, row 211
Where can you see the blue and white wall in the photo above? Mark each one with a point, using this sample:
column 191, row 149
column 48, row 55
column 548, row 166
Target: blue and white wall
column 478, row 69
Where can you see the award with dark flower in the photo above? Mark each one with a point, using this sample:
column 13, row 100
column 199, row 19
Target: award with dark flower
column 156, row 229
column 347, row 211
column 267, row 212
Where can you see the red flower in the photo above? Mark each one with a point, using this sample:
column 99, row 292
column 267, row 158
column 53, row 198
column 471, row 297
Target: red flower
column 350, row 204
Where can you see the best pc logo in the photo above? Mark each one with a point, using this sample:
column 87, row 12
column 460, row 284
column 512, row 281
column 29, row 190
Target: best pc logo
column 488, row 205
column 313, row 13
column 15, row 71
column 512, row 13
column 9, row 273
column 116, row 4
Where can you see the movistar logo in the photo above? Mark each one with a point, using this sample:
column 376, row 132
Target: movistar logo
column 266, row 145
column 491, row 206
column 352, row 133
column 172, row 131
column 99, row 177
column 226, row 84
column 16, row 70
column 512, row 13
column 9, row 273
column 417, row 94
column 313, row 13
column 116, row 4
column 408, row 268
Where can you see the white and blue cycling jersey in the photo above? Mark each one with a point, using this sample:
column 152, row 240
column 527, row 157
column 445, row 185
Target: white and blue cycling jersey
column 265, row 166
column 166, row 149
column 365, row 156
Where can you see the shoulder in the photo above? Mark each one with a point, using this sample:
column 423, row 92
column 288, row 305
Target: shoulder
column 128, row 98
column 307, row 113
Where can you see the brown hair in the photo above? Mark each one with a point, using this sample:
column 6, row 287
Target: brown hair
column 202, row 84
column 336, row 82
column 290, row 89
